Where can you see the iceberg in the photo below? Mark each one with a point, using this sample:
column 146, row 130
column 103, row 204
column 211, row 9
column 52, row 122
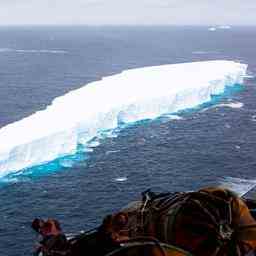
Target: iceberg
column 132, row 95
column 212, row 29
column 225, row 27
column 222, row 27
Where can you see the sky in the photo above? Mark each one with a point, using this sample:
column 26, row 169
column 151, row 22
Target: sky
column 128, row 12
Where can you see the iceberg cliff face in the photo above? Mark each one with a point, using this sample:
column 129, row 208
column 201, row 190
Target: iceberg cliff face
column 132, row 95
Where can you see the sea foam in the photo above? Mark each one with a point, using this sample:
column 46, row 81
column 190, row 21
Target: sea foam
column 133, row 95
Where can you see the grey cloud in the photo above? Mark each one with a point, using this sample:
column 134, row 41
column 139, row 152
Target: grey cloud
column 134, row 12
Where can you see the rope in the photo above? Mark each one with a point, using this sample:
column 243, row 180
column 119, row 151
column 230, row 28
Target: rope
column 138, row 241
column 144, row 241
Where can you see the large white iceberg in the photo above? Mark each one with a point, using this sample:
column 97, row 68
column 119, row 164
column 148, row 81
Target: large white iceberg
column 132, row 95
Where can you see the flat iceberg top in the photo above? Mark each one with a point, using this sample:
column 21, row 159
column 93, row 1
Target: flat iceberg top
column 129, row 96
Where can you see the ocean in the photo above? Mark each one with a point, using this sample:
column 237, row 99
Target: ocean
column 213, row 144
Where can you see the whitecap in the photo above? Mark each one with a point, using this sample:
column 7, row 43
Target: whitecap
column 93, row 144
column 235, row 105
column 254, row 118
column 87, row 150
column 66, row 163
column 112, row 152
column 121, row 179
column 228, row 126
column 167, row 117
column 175, row 117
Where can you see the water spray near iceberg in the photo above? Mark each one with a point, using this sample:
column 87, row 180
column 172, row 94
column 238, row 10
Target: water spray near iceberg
column 133, row 95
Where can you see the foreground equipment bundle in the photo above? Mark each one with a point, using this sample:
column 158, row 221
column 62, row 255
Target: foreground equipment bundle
column 209, row 222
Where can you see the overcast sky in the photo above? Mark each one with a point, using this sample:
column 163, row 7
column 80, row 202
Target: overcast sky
column 131, row 12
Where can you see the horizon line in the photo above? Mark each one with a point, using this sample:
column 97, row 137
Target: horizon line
column 128, row 25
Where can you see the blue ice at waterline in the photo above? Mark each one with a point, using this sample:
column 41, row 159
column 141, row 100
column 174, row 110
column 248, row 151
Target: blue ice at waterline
column 133, row 95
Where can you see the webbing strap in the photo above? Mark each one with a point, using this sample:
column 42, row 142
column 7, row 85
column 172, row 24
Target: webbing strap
column 247, row 232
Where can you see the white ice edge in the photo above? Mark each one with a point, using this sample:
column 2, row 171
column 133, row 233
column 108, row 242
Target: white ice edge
column 132, row 95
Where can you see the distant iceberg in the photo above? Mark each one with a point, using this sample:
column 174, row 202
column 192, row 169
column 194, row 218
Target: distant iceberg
column 224, row 27
column 10, row 50
column 133, row 95
column 212, row 29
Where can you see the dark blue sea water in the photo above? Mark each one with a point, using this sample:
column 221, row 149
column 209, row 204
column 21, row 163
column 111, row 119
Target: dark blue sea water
column 205, row 147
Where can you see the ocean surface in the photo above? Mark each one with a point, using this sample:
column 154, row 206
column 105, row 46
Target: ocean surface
column 213, row 144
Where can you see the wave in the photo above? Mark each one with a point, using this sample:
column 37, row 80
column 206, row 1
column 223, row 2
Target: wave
column 234, row 105
column 121, row 179
column 231, row 105
column 102, row 106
